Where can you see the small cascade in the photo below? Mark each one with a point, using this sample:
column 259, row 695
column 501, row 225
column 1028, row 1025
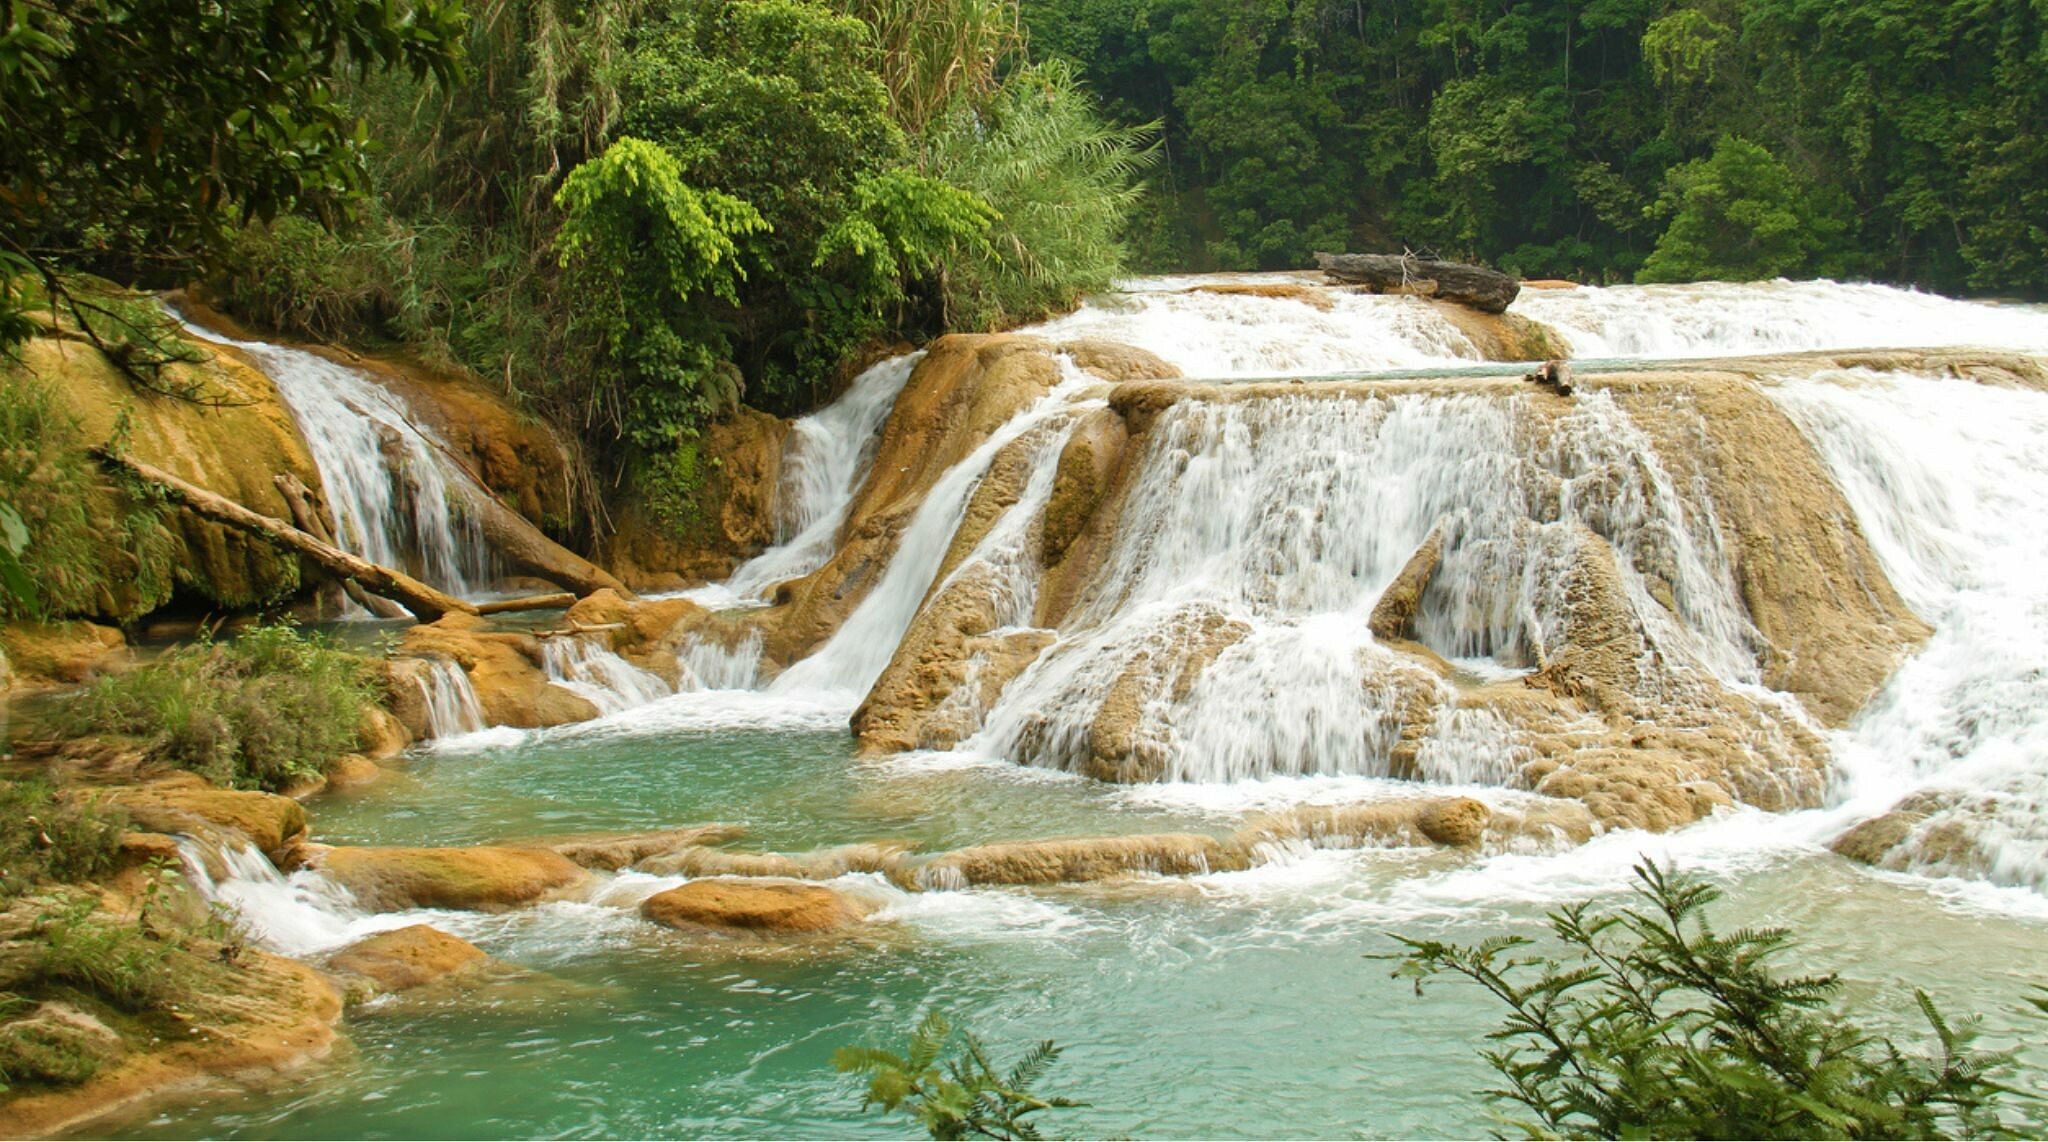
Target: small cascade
column 1719, row 319
column 848, row 664
column 706, row 664
column 452, row 705
column 580, row 664
column 1319, row 331
column 823, row 462
column 298, row 915
column 386, row 477
column 1948, row 478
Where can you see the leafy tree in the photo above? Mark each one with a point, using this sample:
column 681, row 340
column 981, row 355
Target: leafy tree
column 1653, row 1024
column 1741, row 215
column 962, row 1097
column 136, row 135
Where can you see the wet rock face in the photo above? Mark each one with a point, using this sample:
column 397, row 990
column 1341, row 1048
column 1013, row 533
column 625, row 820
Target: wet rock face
column 187, row 804
column 753, row 906
column 729, row 517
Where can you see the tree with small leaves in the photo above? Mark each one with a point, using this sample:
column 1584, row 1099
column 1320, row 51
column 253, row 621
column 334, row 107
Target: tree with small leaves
column 960, row 1097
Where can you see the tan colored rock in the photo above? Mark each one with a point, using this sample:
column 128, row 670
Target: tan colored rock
column 382, row 735
column 819, row 864
column 1116, row 361
column 1072, row 860
column 948, row 660
column 1835, row 626
column 353, row 771
column 1456, row 821
column 505, row 669
column 729, row 516
column 485, row 878
column 186, row 804
column 279, row 1018
column 757, row 906
column 402, row 681
column 406, row 958
column 1314, row 296
column 614, row 851
column 1503, row 336
column 60, row 654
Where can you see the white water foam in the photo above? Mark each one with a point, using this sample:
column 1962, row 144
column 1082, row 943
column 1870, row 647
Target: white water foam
column 582, row 665
column 452, row 705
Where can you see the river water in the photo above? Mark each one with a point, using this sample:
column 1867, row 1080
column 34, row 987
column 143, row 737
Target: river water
column 1231, row 1005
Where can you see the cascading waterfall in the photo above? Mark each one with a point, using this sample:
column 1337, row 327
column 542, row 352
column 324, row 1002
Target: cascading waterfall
column 1948, row 478
column 580, row 664
column 1260, row 534
column 823, row 461
column 1722, row 319
column 298, row 915
column 706, row 664
column 385, row 476
column 857, row 653
column 452, row 705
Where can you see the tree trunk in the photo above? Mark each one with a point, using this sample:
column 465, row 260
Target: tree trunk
column 526, row 549
column 562, row 601
column 426, row 603
column 1476, row 286
column 300, row 498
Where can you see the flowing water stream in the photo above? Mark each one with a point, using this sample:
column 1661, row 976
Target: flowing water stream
column 1234, row 1004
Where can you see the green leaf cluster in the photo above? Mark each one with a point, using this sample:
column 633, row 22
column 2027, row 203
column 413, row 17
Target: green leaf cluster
column 961, row 1096
column 1651, row 1023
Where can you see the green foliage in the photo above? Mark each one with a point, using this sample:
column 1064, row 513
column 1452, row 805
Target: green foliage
column 1063, row 183
column 650, row 255
column 963, row 1096
column 1738, row 215
column 266, row 709
column 55, row 510
column 136, row 135
column 47, row 838
column 1653, row 1024
column 1530, row 135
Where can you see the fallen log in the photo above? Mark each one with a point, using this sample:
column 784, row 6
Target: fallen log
column 529, row 603
column 299, row 498
column 522, row 546
column 1488, row 291
column 425, row 602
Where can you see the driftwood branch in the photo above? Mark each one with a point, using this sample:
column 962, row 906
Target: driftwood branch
column 529, row 603
column 425, row 602
column 1476, row 286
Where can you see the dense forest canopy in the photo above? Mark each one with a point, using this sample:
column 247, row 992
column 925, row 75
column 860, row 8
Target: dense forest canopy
column 1661, row 140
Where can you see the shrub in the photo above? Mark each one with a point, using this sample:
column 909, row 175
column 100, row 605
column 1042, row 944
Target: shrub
column 965, row 1097
column 44, row 838
column 261, row 711
column 1655, row 1025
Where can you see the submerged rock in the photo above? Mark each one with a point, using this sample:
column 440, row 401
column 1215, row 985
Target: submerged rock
column 748, row 905
column 614, row 851
column 1071, row 860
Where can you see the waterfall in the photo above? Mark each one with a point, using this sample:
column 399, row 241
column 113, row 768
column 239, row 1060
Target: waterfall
column 706, row 664
column 1718, row 319
column 299, row 915
column 1948, row 478
column 848, row 664
column 386, row 478
column 1259, row 534
column 452, row 705
column 580, row 664
column 823, row 461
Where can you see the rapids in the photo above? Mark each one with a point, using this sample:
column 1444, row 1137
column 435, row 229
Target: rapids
column 1235, row 1003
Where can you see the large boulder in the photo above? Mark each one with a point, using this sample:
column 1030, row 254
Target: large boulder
column 58, row 654
column 505, row 669
column 406, row 958
column 485, row 878
column 756, row 906
column 187, row 804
